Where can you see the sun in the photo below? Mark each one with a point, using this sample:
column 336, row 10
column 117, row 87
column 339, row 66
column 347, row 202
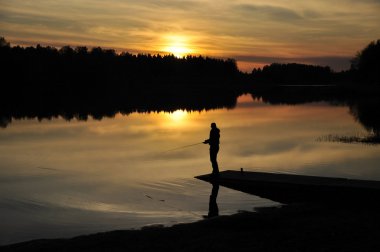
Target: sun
column 179, row 46
column 178, row 50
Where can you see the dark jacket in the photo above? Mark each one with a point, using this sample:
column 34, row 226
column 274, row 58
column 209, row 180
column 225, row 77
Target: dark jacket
column 213, row 141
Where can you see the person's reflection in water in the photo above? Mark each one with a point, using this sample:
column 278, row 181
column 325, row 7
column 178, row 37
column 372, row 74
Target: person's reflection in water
column 213, row 209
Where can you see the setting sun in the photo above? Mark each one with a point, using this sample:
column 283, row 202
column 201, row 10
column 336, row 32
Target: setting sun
column 177, row 45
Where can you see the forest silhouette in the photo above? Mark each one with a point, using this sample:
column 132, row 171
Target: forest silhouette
column 364, row 71
column 46, row 82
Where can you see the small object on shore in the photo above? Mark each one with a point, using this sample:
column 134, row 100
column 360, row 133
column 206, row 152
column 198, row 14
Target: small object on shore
column 241, row 170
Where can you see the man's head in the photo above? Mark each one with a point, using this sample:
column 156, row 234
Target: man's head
column 213, row 125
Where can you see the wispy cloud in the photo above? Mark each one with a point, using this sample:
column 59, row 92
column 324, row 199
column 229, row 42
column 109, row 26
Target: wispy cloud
column 271, row 28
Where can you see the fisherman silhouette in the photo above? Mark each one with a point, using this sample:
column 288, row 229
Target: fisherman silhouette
column 213, row 141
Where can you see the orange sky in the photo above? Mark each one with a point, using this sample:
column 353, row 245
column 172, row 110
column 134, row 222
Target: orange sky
column 255, row 33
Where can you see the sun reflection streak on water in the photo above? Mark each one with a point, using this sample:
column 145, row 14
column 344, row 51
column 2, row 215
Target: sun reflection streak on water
column 178, row 115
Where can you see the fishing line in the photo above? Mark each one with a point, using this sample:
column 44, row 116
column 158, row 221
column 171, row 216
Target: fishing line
column 47, row 168
column 181, row 147
column 161, row 154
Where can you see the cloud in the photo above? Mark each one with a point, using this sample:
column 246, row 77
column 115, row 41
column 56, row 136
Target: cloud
column 269, row 28
column 272, row 13
column 174, row 4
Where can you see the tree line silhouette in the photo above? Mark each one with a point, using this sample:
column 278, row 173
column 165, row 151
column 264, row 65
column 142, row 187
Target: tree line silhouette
column 365, row 70
column 366, row 64
column 358, row 88
column 61, row 68
column 46, row 82
column 293, row 74
column 97, row 66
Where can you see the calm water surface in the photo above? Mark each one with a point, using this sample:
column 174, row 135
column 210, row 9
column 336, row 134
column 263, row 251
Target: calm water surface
column 61, row 179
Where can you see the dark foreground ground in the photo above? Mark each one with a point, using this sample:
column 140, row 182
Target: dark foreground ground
column 295, row 227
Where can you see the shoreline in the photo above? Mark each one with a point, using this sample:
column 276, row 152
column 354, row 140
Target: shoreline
column 317, row 214
column 293, row 227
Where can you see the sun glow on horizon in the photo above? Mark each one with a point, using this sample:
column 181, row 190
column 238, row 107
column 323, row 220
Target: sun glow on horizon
column 179, row 46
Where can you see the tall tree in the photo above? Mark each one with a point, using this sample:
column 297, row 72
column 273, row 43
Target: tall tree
column 367, row 63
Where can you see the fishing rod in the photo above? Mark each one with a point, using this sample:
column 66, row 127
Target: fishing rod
column 182, row 147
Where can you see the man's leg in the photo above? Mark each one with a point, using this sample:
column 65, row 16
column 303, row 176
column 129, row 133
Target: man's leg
column 214, row 162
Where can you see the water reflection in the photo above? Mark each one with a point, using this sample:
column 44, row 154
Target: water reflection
column 363, row 104
column 83, row 108
column 213, row 209
column 63, row 178
column 366, row 111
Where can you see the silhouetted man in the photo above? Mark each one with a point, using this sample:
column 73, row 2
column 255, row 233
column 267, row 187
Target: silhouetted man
column 213, row 141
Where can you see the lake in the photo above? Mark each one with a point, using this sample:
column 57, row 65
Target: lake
column 62, row 178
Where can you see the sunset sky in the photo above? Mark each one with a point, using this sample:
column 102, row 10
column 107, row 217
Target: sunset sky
column 255, row 32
